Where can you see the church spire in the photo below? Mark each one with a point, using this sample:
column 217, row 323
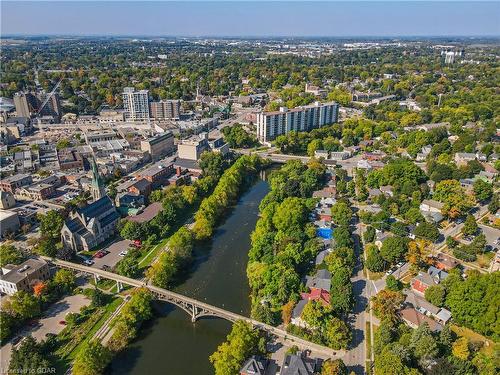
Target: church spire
column 97, row 188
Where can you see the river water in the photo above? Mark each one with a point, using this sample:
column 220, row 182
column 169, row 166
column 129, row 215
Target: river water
column 171, row 344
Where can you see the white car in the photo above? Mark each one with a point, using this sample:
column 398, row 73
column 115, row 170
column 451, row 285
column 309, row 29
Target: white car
column 123, row 253
column 88, row 262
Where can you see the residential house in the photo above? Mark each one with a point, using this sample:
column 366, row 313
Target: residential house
column 423, row 306
column 431, row 210
column 461, row 158
column 445, row 262
column 387, row 190
column 255, row 365
column 380, row 237
column 321, row 280
column 423, row 280
column 321, row 154
column 9, row 223
column 300, row 364
column 415, row 319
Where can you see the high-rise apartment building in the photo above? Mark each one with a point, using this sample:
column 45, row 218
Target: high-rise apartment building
column 136, row 104
column 166, row 110
column 52, row 107
column 26, row 104
column 272, row 124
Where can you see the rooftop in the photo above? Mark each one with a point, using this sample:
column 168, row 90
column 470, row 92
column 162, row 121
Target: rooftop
column 22, row 270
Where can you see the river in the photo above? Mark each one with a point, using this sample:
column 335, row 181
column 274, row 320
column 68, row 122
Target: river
column 171, row 344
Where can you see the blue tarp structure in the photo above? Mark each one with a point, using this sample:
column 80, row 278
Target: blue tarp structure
column 324, row 232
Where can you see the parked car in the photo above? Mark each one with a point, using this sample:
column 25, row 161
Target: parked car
column 88, row 262
column 62, row 322
column 106, row 268
column 100, row 254
column 123, row 253
column 16, row 340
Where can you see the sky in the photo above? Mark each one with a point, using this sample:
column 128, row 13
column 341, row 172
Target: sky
column 251, row 18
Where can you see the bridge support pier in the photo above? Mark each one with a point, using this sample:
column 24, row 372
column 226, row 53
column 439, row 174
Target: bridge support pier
column 96, row 279
column 119, row 286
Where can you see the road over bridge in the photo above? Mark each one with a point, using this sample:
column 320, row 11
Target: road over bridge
column 196, row 309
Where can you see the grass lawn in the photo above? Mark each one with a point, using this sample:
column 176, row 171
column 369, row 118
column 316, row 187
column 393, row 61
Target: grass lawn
column 374, row 275
column 484, row 260
column 148, row 258
column 488, row 346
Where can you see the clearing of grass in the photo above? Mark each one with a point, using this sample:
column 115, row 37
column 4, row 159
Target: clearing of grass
column 487, row 345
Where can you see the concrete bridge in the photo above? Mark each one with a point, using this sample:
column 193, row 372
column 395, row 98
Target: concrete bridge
column 196, row 309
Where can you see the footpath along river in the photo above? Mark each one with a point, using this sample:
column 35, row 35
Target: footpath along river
column 171, row 344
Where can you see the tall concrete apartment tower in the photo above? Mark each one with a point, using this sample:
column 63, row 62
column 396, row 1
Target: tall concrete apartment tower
column 26, row 104
column 166, row 110
column 136, row 104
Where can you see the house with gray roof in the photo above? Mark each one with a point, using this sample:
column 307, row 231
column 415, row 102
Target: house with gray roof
column 322, row 280
column 300, row 364
column 255, row 365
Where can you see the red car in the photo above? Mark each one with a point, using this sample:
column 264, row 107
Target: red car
column 137, row 243
column 99, row 254
column 62, row 322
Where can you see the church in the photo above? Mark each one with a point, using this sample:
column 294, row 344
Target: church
column 93, row 224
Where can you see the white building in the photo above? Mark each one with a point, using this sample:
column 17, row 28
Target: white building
column 136, row 104
column 272, row 124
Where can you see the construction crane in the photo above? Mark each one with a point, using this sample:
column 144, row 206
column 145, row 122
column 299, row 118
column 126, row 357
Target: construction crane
column 48, row 97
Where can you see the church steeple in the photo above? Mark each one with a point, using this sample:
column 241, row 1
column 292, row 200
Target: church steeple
column 97, row 188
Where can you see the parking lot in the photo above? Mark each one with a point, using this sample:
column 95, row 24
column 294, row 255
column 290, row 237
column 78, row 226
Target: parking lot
column 113, row 257
column 49, row 323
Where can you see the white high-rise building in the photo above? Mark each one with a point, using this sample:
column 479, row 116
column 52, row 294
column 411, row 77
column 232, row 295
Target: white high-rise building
column 136, row 104
column 272, row 124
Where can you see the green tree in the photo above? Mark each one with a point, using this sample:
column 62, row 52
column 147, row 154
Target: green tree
column 435, row 294
column 394, row 249
column 460, row 348
column 65, row 280
column 47, row 247
column 92, row 359
column 7, row 322
column 9, row 254
column 482, row 190
column 29, row 358
column 337, row 333
column 51, row 224
column 386, row 303
column 128, row 266
column 393, row 284
column 341, row 213
column 428, row 231
column 242, row 342
column 24, row 305
column 163, row 271
column 334, row 367
column 374, row 261
column 470, row 226
column 423, row 343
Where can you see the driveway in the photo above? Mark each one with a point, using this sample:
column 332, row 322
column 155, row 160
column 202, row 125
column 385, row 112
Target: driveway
column 113, row 257
column 491, row 234
column 49, row 323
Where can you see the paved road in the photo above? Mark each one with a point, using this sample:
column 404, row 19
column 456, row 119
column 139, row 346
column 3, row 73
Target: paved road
column 355, row 358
